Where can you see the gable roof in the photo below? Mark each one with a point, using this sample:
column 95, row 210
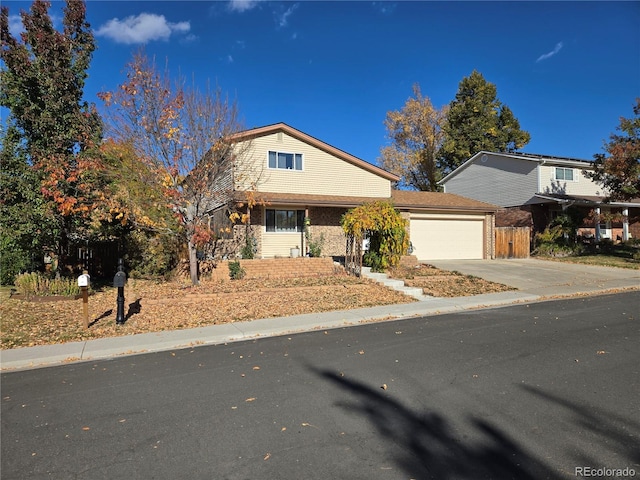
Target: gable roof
column 530, row 157
column 411, row 199
column 401, row 199
column 319, row 144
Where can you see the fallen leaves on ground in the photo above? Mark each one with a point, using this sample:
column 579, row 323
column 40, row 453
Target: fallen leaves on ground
column 152, row 306
column 442, row 283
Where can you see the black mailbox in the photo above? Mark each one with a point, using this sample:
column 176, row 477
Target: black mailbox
column 120, row 279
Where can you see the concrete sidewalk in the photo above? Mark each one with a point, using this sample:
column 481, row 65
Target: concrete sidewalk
column 536, row 281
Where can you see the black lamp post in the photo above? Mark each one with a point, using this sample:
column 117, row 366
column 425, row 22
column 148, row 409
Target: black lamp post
column 119, row 281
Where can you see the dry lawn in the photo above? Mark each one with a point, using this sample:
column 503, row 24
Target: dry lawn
column 152, row 306
column 441, row 283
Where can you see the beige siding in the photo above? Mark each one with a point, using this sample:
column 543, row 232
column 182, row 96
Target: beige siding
column 321, row 174
column 279, row 244
column 580, row 185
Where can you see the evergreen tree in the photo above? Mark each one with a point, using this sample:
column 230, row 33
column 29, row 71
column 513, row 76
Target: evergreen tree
column 477, row 121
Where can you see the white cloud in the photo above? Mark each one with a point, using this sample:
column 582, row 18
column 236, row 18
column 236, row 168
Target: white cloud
column 191, row 38
column 551, row 53
column 242, row 5
column 142, row 28
column 282, row 18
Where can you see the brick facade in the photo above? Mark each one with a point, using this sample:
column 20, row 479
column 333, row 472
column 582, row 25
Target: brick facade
column 277, row 268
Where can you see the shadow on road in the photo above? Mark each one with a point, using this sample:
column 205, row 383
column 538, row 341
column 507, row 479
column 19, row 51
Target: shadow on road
column 427, row 446
column 614, row 432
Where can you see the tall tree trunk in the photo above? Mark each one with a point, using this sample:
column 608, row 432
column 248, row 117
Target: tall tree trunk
column 193, row 263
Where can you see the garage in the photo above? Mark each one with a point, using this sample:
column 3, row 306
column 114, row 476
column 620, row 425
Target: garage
column 439, row 237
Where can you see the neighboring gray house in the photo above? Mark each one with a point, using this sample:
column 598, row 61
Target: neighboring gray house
column 544, row 186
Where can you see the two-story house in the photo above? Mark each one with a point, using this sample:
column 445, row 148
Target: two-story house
column 295, row 181
column 544, row 186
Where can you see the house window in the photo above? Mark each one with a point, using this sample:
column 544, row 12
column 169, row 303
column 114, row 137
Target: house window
column 285, row 161
column 285, row 220
column 564, row 174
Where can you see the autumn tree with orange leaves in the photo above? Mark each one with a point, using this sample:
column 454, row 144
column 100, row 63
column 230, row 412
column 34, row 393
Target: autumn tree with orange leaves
column 618, row 171
column 184, row 135
column 42, row 83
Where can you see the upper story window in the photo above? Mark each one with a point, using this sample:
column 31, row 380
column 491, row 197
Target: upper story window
column 564, row 174
column 286, row 161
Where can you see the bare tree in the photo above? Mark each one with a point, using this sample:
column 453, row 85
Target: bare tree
column 187, row 136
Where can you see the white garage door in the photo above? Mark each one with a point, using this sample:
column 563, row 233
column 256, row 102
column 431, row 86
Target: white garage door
column 447, row 238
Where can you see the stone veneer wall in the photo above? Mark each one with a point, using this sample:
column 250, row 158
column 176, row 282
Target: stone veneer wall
column 326, row 221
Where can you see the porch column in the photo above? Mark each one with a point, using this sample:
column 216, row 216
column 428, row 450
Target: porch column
column 306, row 230
column 597, row 224
column 625, row 224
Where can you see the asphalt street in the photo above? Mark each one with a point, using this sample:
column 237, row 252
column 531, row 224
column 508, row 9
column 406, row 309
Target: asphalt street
column 530, row 391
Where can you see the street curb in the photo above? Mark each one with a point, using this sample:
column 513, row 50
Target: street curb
column 104, row 348
column 108, row 348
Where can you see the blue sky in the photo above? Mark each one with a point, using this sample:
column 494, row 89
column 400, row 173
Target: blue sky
column 568, row 70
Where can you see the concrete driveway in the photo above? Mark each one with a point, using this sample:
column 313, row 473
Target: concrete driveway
column 545, row 278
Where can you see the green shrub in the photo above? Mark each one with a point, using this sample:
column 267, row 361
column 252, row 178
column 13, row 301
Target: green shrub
column 152, row 255
column 374, row 260
column 248, row 249
column 12, row 262
column 315, row 246
column 236, row 272
column 557, row 240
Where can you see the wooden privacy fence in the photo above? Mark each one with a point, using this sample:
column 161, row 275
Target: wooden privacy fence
column 513, row 242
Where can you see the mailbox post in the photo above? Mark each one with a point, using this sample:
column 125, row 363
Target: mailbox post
column 83, row 283
column 119, row 281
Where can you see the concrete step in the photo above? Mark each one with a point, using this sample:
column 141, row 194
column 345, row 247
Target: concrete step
column 376, row 276
column 414, row 292
column 391, row 283
column 394, row 284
